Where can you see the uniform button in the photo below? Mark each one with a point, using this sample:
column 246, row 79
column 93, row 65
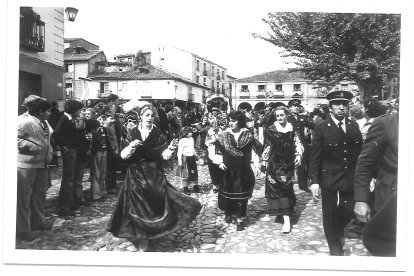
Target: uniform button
column 344, row 150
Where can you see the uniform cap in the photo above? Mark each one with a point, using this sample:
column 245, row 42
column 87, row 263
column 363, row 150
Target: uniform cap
column 294, row 102
column 339, row 95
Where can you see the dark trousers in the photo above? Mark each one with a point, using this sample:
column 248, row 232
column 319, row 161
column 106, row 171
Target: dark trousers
column 31, row 198
column 112, row 161
column 302, row 170
column 336, row 217
column 214, row 171
column 68, row 175
column 380, row 233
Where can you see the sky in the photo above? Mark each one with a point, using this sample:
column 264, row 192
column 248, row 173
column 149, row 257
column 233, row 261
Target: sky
column 219, row 31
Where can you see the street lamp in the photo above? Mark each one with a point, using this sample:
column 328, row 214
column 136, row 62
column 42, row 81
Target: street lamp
column 71, row 13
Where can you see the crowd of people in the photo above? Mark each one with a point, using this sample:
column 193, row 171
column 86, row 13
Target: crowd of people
column 320, row 149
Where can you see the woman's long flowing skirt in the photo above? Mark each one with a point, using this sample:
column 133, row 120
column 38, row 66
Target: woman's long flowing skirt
column 148, row 207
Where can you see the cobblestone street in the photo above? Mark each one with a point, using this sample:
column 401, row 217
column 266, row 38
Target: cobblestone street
column 208, row 233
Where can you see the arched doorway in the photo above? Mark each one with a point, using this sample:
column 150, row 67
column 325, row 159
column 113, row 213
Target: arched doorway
column 245, row 106
column 259, row 106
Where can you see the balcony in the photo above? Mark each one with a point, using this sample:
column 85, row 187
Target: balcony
column 278, row 94
column 297, row 94
column 218, row 77
column 204, row 72
column 244, row 94
column 32, row 30
column 261, row 94
column 69, row 75
column 213, row 90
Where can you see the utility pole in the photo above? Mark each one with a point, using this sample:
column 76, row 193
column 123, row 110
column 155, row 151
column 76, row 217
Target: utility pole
column 265, row 89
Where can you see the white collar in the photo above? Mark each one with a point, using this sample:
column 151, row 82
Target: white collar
column 284, row 129
column 68, row 115
column 236, row 133
column 336, row 121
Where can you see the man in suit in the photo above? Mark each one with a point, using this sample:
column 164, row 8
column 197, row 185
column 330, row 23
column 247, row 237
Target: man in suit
column 299, row 122
column 336, row 145
column 34, row 154
column 379, row 159
column 67, row 138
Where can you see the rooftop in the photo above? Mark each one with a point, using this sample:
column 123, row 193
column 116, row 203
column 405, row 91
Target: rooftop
column 152, row 73
column 73, row 56
column 276, row 76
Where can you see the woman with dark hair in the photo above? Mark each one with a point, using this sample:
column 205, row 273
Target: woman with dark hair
column 236, row 186
column 283, row 153
column 148, row 206
column 67, row 137
column 34, row 155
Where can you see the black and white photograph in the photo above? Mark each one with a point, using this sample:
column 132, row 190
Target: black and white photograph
column 203, row 136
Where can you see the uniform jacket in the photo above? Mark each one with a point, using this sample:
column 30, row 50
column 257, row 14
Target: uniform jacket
column 379, row 158
column 33, row 144
column 333, row 156
column 299, row 125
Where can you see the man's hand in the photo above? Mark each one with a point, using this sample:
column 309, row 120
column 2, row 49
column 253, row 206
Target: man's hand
column 362, row 211
column 136, row 143
column 222, row 166
column 316, row 192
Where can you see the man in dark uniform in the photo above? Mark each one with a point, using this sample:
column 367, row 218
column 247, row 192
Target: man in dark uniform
column 336, row 145
column 379, row 159
column 299, row 122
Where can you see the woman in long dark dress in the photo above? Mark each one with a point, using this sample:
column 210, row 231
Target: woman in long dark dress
column 148, row 206
column 283, row 152
column 237, row 184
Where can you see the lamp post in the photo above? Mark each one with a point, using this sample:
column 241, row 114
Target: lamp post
column 71, row 13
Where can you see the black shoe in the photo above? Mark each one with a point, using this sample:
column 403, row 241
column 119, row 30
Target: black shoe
column 196, row 189
column 26, row 236
column 239, row 225
column 306, row 190
column 66, row 214
column 45, row 226
column 186, row 191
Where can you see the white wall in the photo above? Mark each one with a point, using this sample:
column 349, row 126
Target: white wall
column 174, row 60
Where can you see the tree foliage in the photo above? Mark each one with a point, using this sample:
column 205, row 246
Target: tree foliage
column 330, row 47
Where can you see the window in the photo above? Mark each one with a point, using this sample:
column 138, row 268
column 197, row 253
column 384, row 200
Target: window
column 296, row 87
column 198, row 65
column 222, row 73
column 344, row 86
column 261, row 88
column 32, row 30
column 278, row 87
column 212, row 71
column 104, row 88
column 244, row 88
column 204, row 81
column 198, row 79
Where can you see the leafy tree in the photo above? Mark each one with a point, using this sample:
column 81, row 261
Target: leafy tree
column 330, row 47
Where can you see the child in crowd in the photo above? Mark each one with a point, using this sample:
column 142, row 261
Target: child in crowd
column 187, row 157
column 100, row 144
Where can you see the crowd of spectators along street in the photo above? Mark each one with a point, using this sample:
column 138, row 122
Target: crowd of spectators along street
column 286, row 143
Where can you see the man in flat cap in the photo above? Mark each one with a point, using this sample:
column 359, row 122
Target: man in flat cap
column 336, row 144
column 299, row 122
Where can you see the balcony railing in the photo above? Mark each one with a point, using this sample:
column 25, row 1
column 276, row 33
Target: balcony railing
column 218, row 77
column 297, row 94
column 69, row 75
column 32, row 30
column 278, row 94
column 244, row 94
column 261, row 94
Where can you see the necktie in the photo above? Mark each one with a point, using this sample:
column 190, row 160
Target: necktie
column 340, row 127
